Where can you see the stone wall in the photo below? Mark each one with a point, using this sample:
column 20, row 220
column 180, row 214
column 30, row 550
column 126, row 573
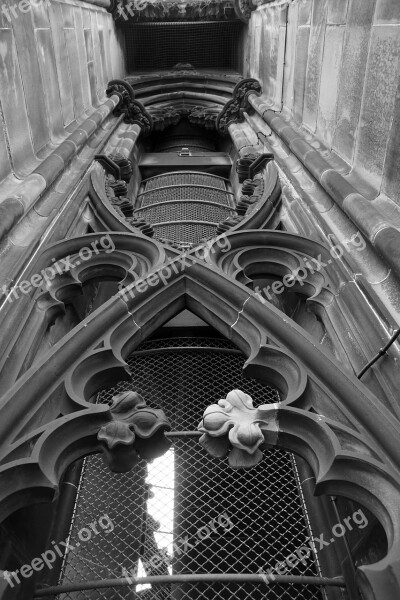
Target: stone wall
column 332, row 66
column 56, row 57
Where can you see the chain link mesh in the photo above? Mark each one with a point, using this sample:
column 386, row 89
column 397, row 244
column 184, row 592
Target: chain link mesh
column 158, row 505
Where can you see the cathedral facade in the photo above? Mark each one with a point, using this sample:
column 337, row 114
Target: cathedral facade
column 200, row 299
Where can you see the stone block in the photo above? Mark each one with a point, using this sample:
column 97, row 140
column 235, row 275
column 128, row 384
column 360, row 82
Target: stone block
column 391, row 174
column 49, row 73
column 378, row 102
column 352, row 74
column 305, row 7
column 337, row 12
column 63, row 65
column 314, row 65
column 25, row 41
column 14, row 108
column 387, row 11
column 300, row 69
column 328, row 96
column 80, row 49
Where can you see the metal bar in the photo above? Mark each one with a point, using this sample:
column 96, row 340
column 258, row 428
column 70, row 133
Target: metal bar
column 163, row 223
column 187, row 173
column 381, row 352
column 185, row 348
column 345, row 540
column 180, row 434
column 180, row 185
column 185, row 201
column 255, row 578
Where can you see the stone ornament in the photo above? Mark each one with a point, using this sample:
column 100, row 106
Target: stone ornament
column 173, row 10
column 197, row 115
column 134, row 112
column 233, row 111
column 135, row 432
column 234, row 427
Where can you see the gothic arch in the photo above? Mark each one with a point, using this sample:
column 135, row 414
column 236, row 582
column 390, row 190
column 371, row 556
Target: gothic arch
column 342, row 453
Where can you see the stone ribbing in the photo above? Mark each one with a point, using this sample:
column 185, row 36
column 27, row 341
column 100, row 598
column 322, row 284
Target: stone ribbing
column 383, row 236
column 33, row 186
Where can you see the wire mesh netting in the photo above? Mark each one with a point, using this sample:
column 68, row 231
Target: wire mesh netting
column 254, row 518
column 205, row 45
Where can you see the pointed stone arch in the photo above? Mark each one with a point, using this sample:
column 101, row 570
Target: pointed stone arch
column 356, row 455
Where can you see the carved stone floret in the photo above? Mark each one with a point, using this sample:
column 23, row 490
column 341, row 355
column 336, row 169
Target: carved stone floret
column 233, row 111
column 233, row 427
column 135, row 432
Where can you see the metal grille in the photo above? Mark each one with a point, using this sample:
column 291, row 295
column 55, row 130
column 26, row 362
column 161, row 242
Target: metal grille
column 186, row 177
column 188, row 489
column 204, row 45
column 190, row 233
column 184, row 192
column 176, row 221
column 182, row 211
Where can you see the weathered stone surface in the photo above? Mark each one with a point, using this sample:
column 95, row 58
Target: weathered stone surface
column 28, row 65
column 272, row 53
column 315, row 54
column 13, row 105
column 387, row 11
column 45, row 84
column 378, row 102
column 337, row 12
column 355, row 54
column 305, row 7
column 330, row 75
column 290, row 58
column 391, row 174
column 51, row 89
column 300, row 69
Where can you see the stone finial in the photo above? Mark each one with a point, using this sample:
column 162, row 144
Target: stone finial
column 136, row 432
column 233, row 111
column 234, row 427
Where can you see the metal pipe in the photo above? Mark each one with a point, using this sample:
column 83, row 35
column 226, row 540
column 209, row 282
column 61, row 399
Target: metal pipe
column 192, row 578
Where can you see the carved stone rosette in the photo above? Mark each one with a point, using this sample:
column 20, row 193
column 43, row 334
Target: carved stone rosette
column 233, row 427
column 233, row 111
column 136, row 431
